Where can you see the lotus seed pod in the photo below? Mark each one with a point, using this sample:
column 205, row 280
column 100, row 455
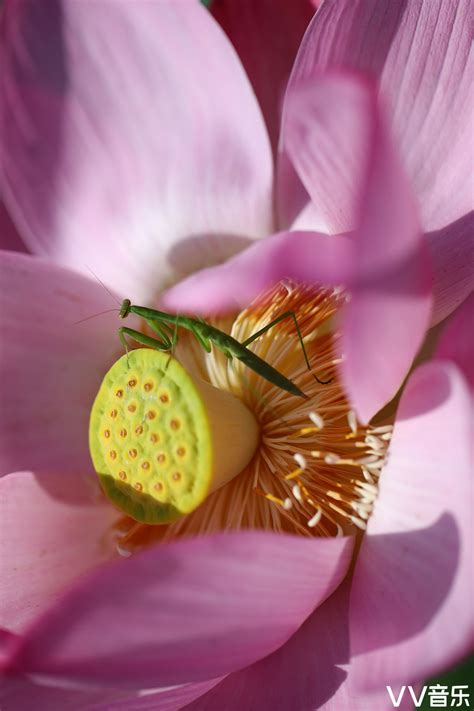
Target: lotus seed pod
column 161, row 440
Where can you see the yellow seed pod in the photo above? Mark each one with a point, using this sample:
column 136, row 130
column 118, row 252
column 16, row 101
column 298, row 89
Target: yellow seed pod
column 159, row 439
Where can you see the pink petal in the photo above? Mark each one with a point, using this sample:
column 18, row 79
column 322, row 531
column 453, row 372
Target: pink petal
column 420, row 52
column 347, row 33
column 308, row 672
column 8, row 640
column 9, row 237
column 185, row 611
column 151, row 157
column 339, row 143
column 51, row 365
column 427, row 81
column 411, row 612
column 452, row 252
column 22, row 694
column 456, row 343
column 327, row 134
column 266, row 36
column 171, row 699
column 302, row 674
column 348, row 699
column 304, row 256
column 310, row 218
column 53, row 530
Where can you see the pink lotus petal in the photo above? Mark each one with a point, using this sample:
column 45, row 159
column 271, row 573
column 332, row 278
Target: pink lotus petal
column 51, row 365
column 348, row 699
column 327, row 133
column 20, row 693
column 8, row 640
column 452, row 253
column 310, row 219
column 53, row 530
column 23, row 694
column 413, row 574
column 171, row 699
column 420, row 52
column 342, row 133
column 151, row 157
column 302, row 674
column 457, row 343
column 344, row 33
column 266, row 35
column 305, row 256
column 308, row 672
column 9, row 237
column 185, row 611
column 427, row 82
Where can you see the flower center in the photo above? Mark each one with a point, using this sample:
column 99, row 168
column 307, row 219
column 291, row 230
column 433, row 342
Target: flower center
column 315, row 469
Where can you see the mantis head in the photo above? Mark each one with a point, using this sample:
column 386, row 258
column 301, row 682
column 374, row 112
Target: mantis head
column 125, row 308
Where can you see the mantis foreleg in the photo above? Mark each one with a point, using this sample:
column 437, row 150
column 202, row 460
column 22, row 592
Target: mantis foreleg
column 163, row 345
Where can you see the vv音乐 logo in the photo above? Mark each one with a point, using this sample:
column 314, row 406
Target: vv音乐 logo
column 438, row 695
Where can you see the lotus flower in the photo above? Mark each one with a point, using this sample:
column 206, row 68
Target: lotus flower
column 117, row 156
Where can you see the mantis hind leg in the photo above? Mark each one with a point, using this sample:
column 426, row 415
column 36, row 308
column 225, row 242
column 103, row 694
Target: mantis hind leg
column 287, row 314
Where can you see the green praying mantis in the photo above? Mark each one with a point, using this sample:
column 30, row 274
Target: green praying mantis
column 166, row 326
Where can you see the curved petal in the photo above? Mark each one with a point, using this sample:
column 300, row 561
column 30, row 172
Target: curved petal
column 303, row 256
column 427, row 82
column 309, row 672
column 51, row 366
column 327, row 133
column 9, row 237
column 452, row 253
column 310, row 219
column 185, row 611
column 344, row 33
column 53, row 531
column 171, row 699
column 23, row 694
column 303, row 674
column 150, row 151
column 266, row 36
column 335, row 129
column 413, row 575
column 421, row 54
column 455, row 343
